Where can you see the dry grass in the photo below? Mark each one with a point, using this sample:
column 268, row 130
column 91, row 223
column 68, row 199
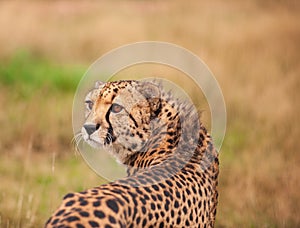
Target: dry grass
column 251, row 46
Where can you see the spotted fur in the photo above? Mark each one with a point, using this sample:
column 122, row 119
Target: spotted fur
column 171, row 163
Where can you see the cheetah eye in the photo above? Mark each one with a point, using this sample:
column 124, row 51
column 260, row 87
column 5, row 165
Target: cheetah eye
column 89, row 104
column 115, row 108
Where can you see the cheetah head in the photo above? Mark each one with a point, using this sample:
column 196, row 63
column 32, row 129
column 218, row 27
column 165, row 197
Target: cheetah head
column 118, row 115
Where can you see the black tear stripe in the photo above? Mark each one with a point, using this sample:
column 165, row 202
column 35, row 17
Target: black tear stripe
column 110, row 129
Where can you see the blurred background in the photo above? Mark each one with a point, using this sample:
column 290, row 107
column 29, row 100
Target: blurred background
column 251, row 46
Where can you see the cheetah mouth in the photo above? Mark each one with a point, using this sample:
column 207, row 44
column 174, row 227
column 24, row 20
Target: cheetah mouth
column 93, row 143
column 97, row 139
column 98, row 142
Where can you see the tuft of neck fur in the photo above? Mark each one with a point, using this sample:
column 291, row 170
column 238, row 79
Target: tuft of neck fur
column 175, row 140
column 165, row 135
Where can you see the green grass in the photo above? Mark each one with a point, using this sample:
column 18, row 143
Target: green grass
column 27, row 73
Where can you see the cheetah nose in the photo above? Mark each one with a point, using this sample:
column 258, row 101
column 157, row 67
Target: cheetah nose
column 91, row 128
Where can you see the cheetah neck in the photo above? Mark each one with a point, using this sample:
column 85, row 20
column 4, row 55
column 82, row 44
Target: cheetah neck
column 168, row 138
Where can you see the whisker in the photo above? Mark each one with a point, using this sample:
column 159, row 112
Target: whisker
column 76, row 140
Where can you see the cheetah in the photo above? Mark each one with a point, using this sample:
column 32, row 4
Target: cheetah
column 172, row 165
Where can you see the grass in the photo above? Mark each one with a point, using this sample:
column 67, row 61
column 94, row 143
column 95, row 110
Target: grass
column 28, row 73
column 38, row 191
column 35, row 158
column 251, row 46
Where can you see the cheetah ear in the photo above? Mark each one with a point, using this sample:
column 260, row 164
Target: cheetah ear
column 99, row 84
column 149, row 90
